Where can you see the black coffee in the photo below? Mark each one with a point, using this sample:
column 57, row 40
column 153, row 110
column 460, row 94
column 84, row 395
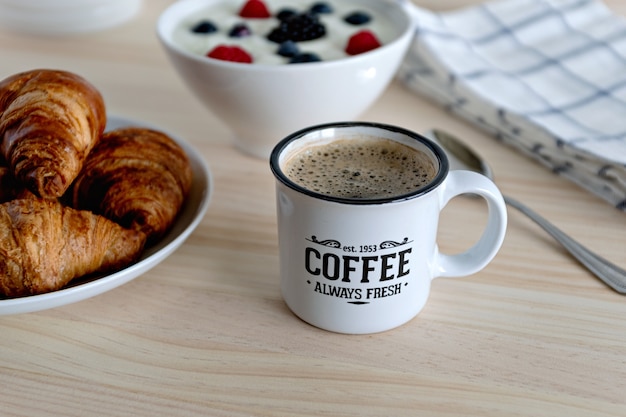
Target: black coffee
column 363, row 167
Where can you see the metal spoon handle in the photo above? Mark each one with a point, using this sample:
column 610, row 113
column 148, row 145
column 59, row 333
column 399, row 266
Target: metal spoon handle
column 609, row 273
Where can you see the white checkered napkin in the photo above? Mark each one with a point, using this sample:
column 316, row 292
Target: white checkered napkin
column 547, row 77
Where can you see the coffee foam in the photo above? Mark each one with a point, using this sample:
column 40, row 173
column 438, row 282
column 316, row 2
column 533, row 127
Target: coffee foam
column 361, row 167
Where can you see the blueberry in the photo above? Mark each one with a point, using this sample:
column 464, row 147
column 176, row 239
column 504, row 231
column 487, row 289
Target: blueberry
column 239, row 30
column 304, row 58
column 321, row 8
column 358, row 18
column 288, row 49
column 204, row 26
column 285, row 13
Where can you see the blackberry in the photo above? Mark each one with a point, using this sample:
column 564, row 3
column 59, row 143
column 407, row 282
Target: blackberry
column 357, row 18
column 204, row 27
column 298, row 28
column 304, row 58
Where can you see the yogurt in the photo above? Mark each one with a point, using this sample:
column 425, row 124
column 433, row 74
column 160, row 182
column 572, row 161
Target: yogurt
column 225, row 15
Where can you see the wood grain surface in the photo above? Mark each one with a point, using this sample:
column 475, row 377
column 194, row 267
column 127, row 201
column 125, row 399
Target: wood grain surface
column 206, row 333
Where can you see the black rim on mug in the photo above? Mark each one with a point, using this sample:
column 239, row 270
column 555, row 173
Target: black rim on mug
column 391, row 132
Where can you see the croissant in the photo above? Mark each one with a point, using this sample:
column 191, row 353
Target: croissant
column 137, row 177
column 49, row 121
column 45, row 245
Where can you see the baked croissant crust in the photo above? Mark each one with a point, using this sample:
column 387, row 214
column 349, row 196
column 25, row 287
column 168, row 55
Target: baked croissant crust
column 49, row 121
column 137, row 177
column 45, row 245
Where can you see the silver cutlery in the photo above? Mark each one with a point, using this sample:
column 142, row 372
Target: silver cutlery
column 464, row 157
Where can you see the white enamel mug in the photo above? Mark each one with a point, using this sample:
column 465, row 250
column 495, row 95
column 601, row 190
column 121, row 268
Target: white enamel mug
column 362, row 266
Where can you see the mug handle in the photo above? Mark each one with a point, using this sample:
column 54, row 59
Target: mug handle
column 484, row 250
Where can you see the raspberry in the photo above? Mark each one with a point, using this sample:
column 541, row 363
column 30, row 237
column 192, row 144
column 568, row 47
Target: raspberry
column 230, row 53
column 254, row 9
column 361, row 42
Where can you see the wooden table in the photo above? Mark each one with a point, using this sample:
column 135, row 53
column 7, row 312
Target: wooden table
column 206, row 333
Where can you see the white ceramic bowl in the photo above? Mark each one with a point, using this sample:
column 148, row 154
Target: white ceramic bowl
column 263, row 103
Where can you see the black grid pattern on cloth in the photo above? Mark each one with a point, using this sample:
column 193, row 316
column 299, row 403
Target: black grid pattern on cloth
column 545, row 76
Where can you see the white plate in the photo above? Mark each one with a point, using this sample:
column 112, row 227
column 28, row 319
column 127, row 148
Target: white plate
column 192, row 213
column 65, row 17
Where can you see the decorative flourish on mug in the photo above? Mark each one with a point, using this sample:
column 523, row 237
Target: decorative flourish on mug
column 331, row 243
column 393, row 244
